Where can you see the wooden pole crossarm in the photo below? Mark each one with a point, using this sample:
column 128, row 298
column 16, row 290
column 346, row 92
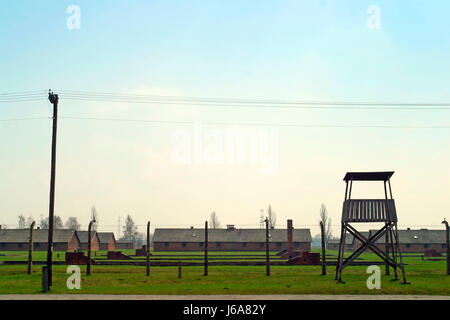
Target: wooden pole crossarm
column 363, row 239
column 358, row 251
column 368, row 243
column 382, row 255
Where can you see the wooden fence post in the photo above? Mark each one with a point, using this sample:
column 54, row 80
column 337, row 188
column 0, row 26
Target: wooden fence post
column 267, row 249
column 30, row 250
column 447, row 245
column 324, row 261
column 88, row 269
column 148, row 250
column 387, row 253
column 179, row 269
column 206, row 248
column 45, row 286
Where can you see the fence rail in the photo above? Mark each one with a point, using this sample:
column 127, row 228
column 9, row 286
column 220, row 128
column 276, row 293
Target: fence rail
column 191, row 264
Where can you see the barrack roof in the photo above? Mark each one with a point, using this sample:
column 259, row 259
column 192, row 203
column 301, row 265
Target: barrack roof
column 229, row 235
column 39, row 235
column 105, row 237
column 84, row 235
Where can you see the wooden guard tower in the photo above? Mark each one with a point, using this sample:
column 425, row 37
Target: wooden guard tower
column 357, row 211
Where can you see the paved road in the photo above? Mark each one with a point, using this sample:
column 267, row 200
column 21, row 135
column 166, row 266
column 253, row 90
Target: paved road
column 215, row 297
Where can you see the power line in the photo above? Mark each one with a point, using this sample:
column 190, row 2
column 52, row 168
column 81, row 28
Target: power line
column 224, row 102
column 157, row 98
column 254, row 124
column 24, row 119
column 23, row 93
column 21, row 100
column 301, row 105
column 22, row 96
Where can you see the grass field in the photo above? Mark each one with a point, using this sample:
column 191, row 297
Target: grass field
column 426, row 277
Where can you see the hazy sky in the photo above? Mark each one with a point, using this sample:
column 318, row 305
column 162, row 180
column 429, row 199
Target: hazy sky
column 284, row 50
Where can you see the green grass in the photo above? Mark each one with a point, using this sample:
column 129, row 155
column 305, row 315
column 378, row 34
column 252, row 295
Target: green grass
column 222, row 280
column 426, row 277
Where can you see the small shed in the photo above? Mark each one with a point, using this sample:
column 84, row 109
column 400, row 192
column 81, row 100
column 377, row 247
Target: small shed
column 107, row 241
column 84, row 235
column 124, row 244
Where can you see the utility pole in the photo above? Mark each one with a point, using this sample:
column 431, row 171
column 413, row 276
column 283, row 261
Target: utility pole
column 54, row 100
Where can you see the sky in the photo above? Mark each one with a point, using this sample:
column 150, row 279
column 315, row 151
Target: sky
column 279, row 50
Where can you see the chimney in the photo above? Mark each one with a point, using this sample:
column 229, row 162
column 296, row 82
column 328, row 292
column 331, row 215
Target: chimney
column 289, row 238
column 192, row 227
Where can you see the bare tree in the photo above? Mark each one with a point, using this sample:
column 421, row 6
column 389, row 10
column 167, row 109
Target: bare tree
column 261, row 219
column 94, row 217
column 214, row 221
column 139, row 239
column 43, row 223
column 326, row 220
column 130, row 229
column 29, row 221
column 57, row 223
column 21, row 222
column 72, row 223
column 272, row 217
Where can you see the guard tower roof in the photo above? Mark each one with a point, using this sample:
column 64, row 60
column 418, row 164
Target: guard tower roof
column 368, row 176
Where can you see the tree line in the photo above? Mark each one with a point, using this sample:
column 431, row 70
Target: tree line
column 129, row 229
column 214, row 222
